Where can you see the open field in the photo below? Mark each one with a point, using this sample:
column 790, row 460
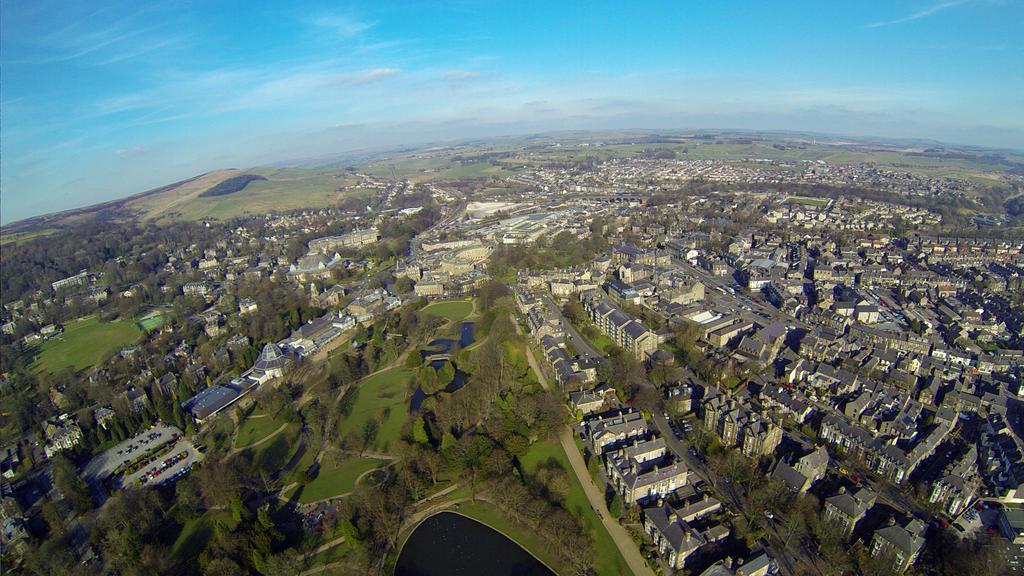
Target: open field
column 335, row 481
column 607, row 559
column 384, row 397
column 806, row 201
column 284, row 189
column 19, row 237
column 84, row 343
column 453, row 310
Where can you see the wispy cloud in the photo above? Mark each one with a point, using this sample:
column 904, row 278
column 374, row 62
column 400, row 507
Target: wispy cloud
column 343, row 26
column 933, row 9
column 133, row 151
column 460, row 75
column 366, row 77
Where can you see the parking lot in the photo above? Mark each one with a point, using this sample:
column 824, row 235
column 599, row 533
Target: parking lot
column 104, row 465
column 168, row 467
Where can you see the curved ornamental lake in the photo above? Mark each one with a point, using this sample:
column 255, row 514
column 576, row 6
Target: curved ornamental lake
column 449, row 544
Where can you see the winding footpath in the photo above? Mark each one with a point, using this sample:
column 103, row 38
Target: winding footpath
column 622, row 539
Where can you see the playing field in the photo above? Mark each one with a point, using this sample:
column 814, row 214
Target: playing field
column 153, row 320
column 454, row 310
column 84, row 343
column 385, row 391
column 336, row 481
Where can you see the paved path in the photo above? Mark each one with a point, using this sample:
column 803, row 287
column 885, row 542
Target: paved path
column 444, row 492
column 328, row 545
column 622, row 539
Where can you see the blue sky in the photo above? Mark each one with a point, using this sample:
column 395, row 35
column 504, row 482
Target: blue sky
column 99, row 100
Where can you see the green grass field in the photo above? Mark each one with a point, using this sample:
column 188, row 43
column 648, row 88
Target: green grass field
column 382, row 391
column 453, row 310
column 285, row 189
column 252, row 430
column 336, row 481
column 816, row 202
column 84, row 343
column 607, row 559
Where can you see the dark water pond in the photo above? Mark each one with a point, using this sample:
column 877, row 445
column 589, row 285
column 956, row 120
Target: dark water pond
column 448, row 544
column 443, row 346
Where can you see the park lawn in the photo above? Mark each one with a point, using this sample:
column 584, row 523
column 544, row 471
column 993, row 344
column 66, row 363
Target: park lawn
column 272, row 455
column 252, row 430
column 84, row 343
column 335, row 481
column 453, row 310
column 332, row 554
column 302, row 465
column 607, row 559
column 385, row 390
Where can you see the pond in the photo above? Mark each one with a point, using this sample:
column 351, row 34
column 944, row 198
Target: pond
column 444, row 346
column 448, row 544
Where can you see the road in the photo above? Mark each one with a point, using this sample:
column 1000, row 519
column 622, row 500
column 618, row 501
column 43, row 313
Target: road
column 579, row 343
column 622, row 539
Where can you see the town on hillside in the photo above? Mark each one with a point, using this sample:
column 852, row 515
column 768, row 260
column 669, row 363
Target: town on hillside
column 622, row 359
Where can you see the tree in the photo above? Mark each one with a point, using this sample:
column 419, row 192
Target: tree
column 419, row 430
column 445, row 374
column 71, row 485
column 370, row 430
column 616, row 507
column 126, row 525
column 428, row 379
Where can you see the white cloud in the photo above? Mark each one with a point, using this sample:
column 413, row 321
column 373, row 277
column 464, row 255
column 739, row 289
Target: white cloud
column 343, row 26
column 133, row 151
column 933, row 9
column 365, row 77
column 460, row 75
